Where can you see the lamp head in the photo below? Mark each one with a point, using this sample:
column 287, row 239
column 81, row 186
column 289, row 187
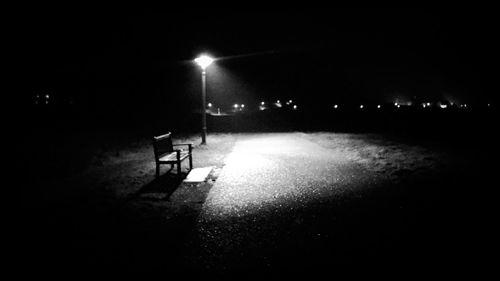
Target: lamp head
column 204, row 61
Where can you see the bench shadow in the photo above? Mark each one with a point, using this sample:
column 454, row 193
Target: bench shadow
column 159, row 188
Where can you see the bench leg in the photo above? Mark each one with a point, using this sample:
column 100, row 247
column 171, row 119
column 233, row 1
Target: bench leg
column 190, row 162
column 179, row 168
column 157, row 171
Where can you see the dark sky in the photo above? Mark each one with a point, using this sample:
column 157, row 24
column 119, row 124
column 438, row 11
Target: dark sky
column 135, row 54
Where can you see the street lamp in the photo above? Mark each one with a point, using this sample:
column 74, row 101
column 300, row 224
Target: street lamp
column 204, row 61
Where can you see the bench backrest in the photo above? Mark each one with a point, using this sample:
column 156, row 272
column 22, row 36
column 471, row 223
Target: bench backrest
column 162, row 145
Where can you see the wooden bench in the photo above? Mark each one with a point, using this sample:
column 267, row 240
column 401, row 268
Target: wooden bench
column 166, row 154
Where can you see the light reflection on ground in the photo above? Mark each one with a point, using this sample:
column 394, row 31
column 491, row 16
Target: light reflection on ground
column 277, row 170
column 281, row 192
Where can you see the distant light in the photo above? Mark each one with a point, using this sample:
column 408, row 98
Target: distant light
column 398, row 106
column 423, row 105
column 242, row 106
column 465, row 105
column 209, row 104
column 236, row 105
column 443, row 106
column 489, row 105
column 46, row 96
column 290, row 101
column 278, row 101
column 361, row 106
column 428, row 104
column 395, row 104
column 378, row 106
column 336, row 106
column 204, row 61
column 262, row 103
column 295, row 107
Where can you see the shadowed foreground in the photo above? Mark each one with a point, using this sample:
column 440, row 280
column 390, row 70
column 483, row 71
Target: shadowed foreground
column 284, row 204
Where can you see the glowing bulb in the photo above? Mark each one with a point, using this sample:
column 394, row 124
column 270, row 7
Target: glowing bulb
column 204, row 61
column 335, row 106
column 209, row 104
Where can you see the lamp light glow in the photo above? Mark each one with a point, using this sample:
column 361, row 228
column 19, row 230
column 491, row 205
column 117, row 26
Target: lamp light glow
column 204, row 61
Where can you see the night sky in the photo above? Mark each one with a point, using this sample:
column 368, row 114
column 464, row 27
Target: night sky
column 134, row 60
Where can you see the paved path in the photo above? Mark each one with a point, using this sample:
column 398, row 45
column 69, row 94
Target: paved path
column 272, row 198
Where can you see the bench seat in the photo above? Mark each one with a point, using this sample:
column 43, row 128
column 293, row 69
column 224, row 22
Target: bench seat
column 172, row 157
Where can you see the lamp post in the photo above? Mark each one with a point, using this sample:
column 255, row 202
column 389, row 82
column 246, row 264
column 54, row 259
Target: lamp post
column 203, row 61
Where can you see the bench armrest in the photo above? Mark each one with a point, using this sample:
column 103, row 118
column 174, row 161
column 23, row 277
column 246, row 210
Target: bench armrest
column 177, row 144
column 190, row 145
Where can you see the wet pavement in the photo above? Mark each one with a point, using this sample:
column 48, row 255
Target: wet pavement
column 283, row 203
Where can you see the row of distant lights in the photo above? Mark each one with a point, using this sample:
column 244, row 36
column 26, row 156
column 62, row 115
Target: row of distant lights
column 37, row 97
column 262, row 105
column 424, row 105
column 278, row 104
column 336, row 106
column 235, row 105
